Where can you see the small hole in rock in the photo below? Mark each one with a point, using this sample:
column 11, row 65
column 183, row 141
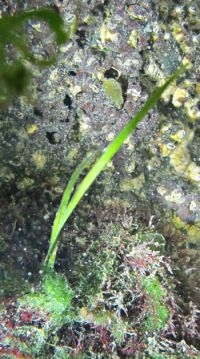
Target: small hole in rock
column 111, row 73
column 65, row 120
column 37, row 112
column 53, row 137
column 72, row 73
column 81, row 38
column 124, row 84
column 67, row 101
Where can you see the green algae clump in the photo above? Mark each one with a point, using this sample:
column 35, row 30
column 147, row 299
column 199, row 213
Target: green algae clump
column 54, row 298
column 113, row 90
column 158, row 313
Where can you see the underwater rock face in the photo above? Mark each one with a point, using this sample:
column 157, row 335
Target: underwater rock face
column 130, row 252
column 66, row 113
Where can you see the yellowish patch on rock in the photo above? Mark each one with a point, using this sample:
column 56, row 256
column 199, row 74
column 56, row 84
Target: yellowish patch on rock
column 106, row 34
column 165, row 128
column 72, row 154
column 130, row 168
column 32, row 129
column 165, row 149
column 198, row 88
column 179, row 224
column 85, row 124
column 178, row 136
column 133, row 39
column 192, row 206
column 54, row 75
column 38, row 159
column 180, row 159
column 110, row 136
column 25, row 183
column 162, row 190
column 192, row 230
column 178, row 32
column 179, row 97
column 175, row 197
column 132, row 184
column 75, row 89
column 193, row 172
column 192, row 109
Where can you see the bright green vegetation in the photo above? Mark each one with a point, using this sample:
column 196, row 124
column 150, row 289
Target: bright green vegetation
column 107, row 154
column 51, row 304
column 54, row 298
column 113, row 90
column 158, row 313
column 14, row 70
column 60, row 220
column 115, row 311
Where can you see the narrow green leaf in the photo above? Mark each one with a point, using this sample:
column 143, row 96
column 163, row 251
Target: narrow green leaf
column 60, row 220
column 102, row 161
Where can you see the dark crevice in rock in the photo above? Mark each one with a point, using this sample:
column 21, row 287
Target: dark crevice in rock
column 53, row 137
column 67, row 101
column 81, row 38
column 111, row 73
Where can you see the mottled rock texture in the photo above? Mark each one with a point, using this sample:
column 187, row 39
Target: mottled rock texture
column 66, row 113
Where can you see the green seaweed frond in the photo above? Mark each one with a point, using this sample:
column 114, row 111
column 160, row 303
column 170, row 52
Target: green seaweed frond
column 54, row 298
column 107, row 154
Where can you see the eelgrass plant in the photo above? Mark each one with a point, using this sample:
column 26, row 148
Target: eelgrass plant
column 68, row 205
